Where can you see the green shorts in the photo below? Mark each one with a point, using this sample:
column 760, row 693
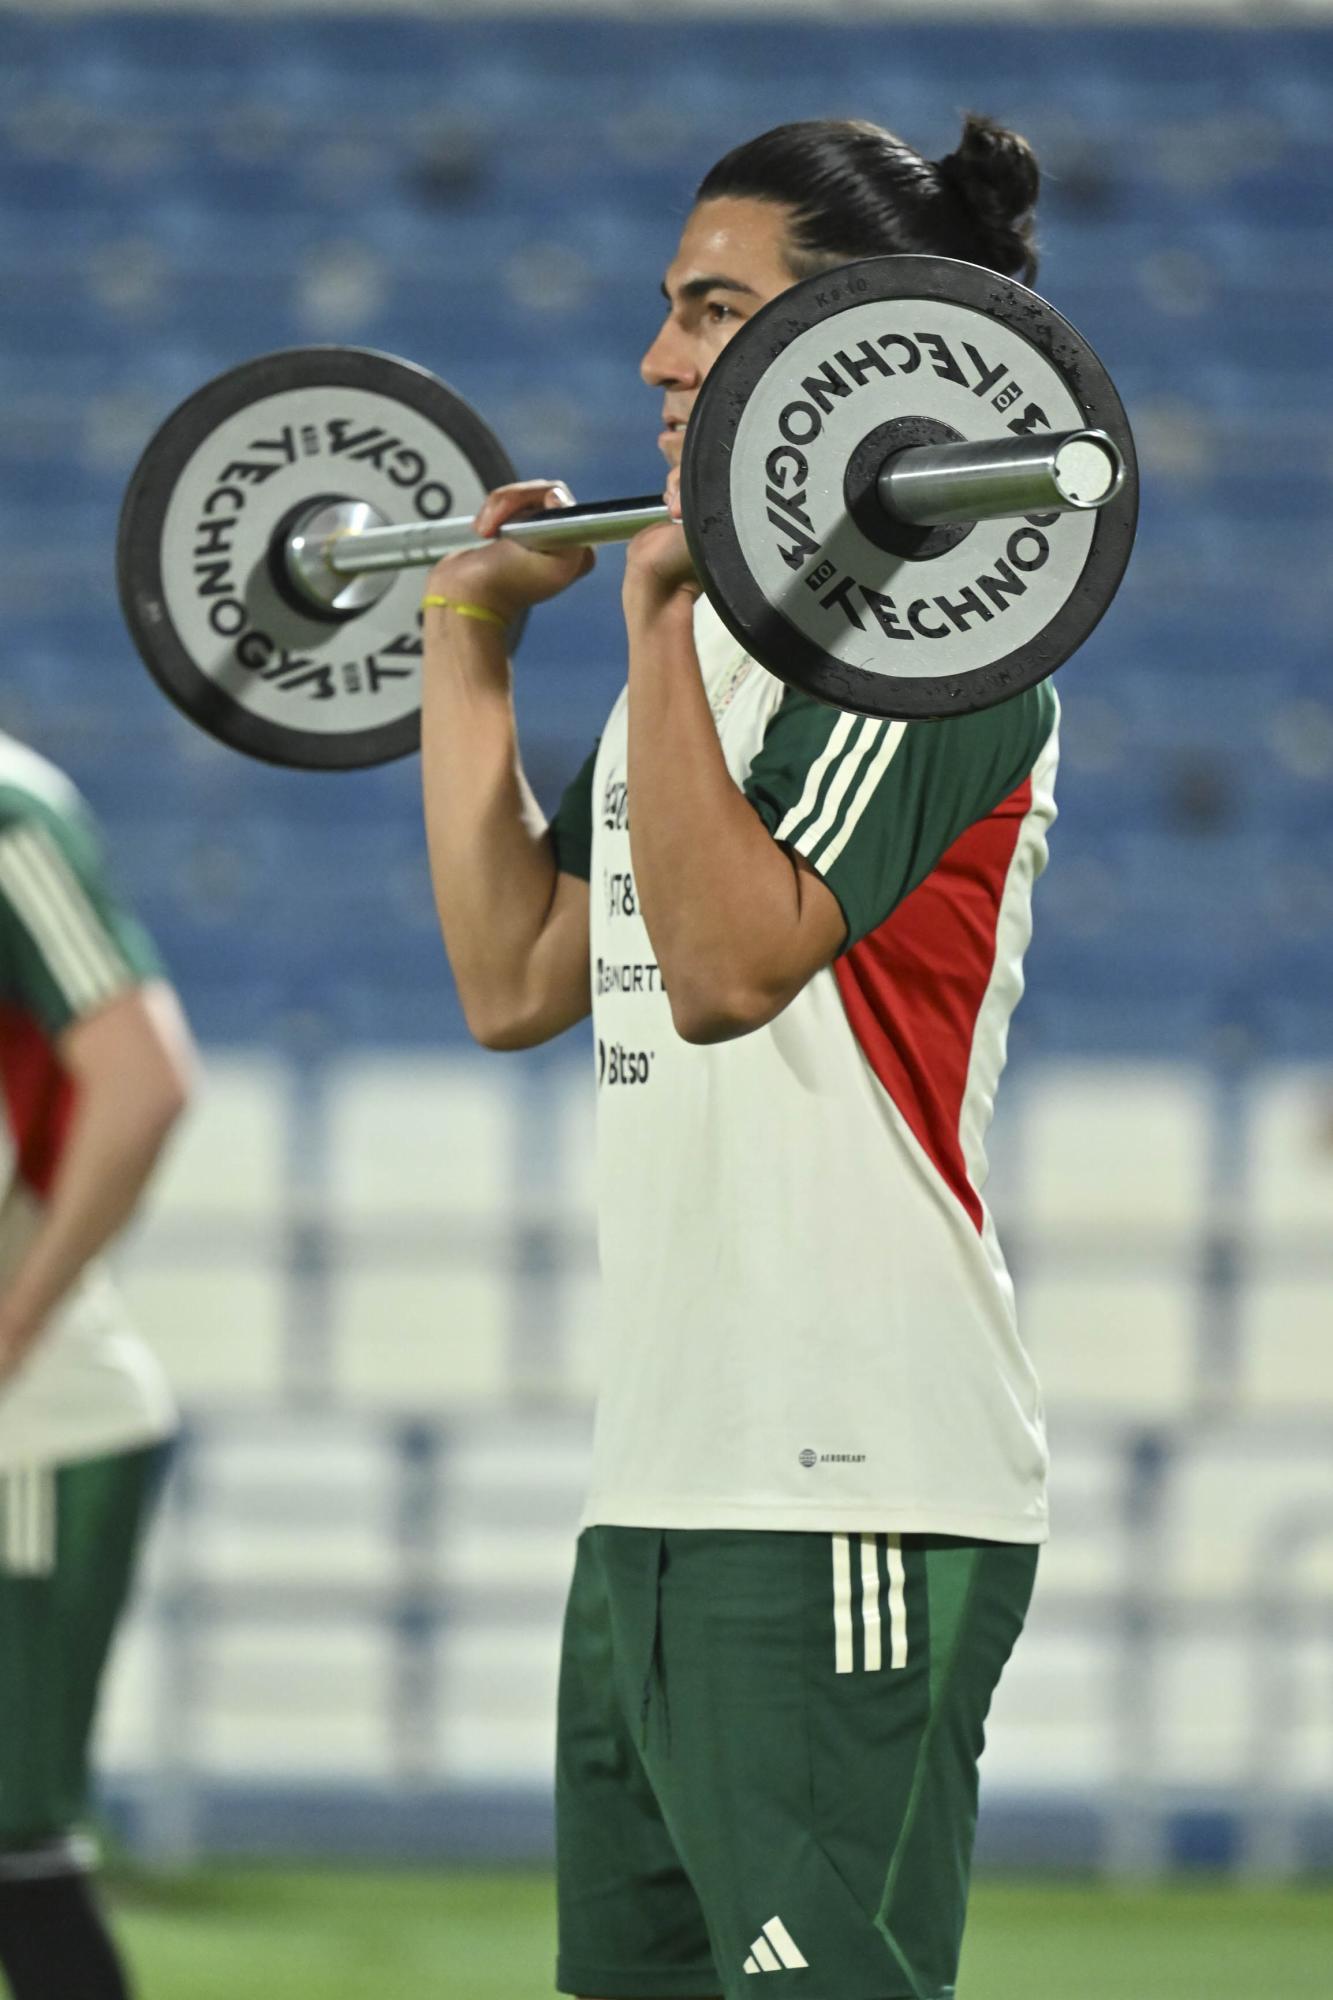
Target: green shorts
column 767, row 1759
column 68, row 1538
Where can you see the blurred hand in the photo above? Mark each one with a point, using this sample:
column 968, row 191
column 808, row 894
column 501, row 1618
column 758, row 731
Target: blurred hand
column 505, row 577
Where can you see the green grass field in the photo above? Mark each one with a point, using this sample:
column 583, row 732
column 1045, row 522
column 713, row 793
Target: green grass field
column 348, row 1935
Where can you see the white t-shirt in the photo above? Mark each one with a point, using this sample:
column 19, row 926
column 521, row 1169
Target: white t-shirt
column 807, row 1319
column 67, row 946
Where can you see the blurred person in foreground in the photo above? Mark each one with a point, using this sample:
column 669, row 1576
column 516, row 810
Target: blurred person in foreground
column 96, row 1062
column 818, row 1479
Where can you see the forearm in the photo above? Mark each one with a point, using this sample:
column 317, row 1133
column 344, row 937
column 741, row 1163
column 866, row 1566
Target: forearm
column 116, row 1134
column 491, row 861
column 719, row 898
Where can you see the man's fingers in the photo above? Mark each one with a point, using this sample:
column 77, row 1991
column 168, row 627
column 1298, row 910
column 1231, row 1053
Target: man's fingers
column 525, row 496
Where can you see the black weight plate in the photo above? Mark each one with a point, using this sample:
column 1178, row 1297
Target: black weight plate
column 235, row 653
column 775, row 426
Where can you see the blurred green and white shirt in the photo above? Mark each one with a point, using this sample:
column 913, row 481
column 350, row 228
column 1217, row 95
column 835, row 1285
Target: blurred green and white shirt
column 67, row 947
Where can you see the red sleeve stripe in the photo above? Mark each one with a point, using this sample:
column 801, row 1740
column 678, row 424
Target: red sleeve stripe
column 914, row 988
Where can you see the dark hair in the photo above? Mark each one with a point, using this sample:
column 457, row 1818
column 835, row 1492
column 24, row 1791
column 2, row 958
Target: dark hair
column 857, row 191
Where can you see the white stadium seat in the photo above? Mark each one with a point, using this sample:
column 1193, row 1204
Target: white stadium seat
column 217, row 1324
column 1202, row 1694
column 1286, row 1339
column 1085, row 1557
column 421, row 1332
column 289, row 1700
column 436, row 1138
column 1109, row 1148
column 130, row 1709
column 228, row 1162
column 310, row 1502
column 1248, row 1510
column 560, row 1143
column 496, row 1691
column 1117, row 1340
column 1289, row 1160
column 1050, row 1726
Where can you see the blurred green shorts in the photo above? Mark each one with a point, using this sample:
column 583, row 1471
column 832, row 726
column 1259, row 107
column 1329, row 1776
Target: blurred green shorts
column 68, row 1539
column 767, row 1759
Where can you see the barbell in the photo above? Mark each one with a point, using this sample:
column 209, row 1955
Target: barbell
column 908, row 487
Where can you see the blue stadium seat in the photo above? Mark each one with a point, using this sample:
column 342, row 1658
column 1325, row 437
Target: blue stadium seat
column 507, row 203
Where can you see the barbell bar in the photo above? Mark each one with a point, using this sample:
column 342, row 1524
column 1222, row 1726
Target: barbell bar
column 929, row 486
column 908, row 488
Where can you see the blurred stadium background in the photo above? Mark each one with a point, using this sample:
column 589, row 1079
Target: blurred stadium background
column 370, row 1264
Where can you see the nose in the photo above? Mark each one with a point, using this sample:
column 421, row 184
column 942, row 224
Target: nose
column 668, row 364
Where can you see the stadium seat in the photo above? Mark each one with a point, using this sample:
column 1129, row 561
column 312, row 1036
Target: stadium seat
column 291, row 1699
column 217, row 1323
column 1115, row 1150
column 1287, row 1162
column 1286, row 1354
column 496, row 1691
column 229, row 1161
column 436, row 1142
column 1124, row 1342
column 1248, row 1514
column 424, row 1333
column 1052, row 1723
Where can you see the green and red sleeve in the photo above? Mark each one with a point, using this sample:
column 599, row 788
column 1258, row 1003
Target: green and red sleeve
column 873, row 806
column 68, row 946
column 931, row 836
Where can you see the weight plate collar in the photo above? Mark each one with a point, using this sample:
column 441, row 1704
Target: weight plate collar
column 739, row 527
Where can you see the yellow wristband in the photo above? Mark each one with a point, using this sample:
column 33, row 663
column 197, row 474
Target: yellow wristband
column 466, row 610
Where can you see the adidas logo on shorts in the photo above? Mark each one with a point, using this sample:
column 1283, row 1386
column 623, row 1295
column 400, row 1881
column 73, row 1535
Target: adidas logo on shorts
column 774, row 1950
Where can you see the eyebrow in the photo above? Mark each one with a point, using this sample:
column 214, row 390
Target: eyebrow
column 698, row 288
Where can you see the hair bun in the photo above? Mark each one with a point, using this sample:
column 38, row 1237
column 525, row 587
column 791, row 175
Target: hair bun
column 994, row 173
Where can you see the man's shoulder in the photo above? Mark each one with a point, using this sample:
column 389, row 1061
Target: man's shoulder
column 34, row 791
column 1030, row 717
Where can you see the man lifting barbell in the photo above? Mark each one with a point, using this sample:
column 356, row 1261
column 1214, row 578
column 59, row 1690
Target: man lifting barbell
column 818, row 1479
column 909, row 489
column 793, row 886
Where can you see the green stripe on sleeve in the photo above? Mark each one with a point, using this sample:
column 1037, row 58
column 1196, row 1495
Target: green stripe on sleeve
column 873, row 805
column 68, row 944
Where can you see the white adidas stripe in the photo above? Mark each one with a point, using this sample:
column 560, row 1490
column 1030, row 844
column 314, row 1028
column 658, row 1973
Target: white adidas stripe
column 782, row 1942
column 775, row 1950
column 897, row 1603
column 865, row 791
column 29, row 1496
column 861, row 748
column 29, row 881
column 106, row 968
column 46, row 931
column 865, row 1549
column 54, row 909
column 843, row 1661
column 870, row 1602
column 814, row 777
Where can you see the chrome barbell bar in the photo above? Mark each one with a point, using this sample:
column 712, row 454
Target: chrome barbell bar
column 926, row 486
